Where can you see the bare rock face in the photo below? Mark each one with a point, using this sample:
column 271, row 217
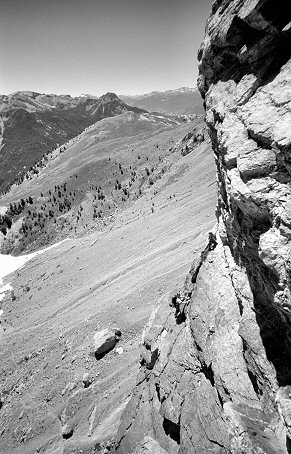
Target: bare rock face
column 215, row 373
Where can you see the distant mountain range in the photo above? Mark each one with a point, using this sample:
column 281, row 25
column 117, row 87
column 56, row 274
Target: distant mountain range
column 31, row 124
column 178, row 102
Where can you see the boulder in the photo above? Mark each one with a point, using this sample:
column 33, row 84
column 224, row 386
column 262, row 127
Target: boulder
column 105, row 340
column 86, row 380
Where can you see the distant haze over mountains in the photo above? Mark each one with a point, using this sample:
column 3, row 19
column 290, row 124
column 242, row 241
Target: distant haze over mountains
column 180, row 101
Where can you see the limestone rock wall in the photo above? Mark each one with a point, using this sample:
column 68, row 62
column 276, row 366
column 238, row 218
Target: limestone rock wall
column 215, row 371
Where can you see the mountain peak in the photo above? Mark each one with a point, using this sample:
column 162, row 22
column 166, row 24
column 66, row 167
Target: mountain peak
column 109, row 97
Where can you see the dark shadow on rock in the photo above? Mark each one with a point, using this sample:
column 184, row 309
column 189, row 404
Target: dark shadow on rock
column 172, row 430
column 101, row 355
column 274, row 326
column 250, row 50
column 68, row 435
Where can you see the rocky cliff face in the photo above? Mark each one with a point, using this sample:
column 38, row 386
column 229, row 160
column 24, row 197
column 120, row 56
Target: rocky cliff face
column 215, row 371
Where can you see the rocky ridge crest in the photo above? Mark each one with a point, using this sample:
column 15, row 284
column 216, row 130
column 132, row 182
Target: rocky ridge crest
column 215, row 371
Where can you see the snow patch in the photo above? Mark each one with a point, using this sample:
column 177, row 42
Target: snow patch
column 9, row 264
column 5, row 288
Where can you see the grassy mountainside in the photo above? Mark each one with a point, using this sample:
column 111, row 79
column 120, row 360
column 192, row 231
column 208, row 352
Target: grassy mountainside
column 109, row 273
column 33, row 124
column 84, row 184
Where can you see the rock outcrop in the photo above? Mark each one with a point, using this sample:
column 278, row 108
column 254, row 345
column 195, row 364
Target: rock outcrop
column 215, row 374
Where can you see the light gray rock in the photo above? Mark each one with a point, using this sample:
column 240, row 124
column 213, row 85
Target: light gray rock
column 150, row 446
column 87, row 381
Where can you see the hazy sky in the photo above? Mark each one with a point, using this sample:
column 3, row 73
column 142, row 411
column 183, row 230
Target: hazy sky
column 95, row 46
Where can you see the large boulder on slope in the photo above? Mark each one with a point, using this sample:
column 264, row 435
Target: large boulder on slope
column 104, row 341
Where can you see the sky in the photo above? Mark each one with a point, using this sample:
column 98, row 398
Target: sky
column 95, row 46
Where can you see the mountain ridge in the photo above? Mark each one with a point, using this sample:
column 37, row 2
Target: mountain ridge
column 181, row 101
column 33, row 124
column 172, row 90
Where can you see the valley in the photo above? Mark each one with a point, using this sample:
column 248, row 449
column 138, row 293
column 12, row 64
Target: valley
column 86, row 182
column 33, row 124
column 142, row 201
column 145, row 255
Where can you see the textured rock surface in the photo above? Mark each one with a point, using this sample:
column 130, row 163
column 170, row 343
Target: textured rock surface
column 215, row 369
